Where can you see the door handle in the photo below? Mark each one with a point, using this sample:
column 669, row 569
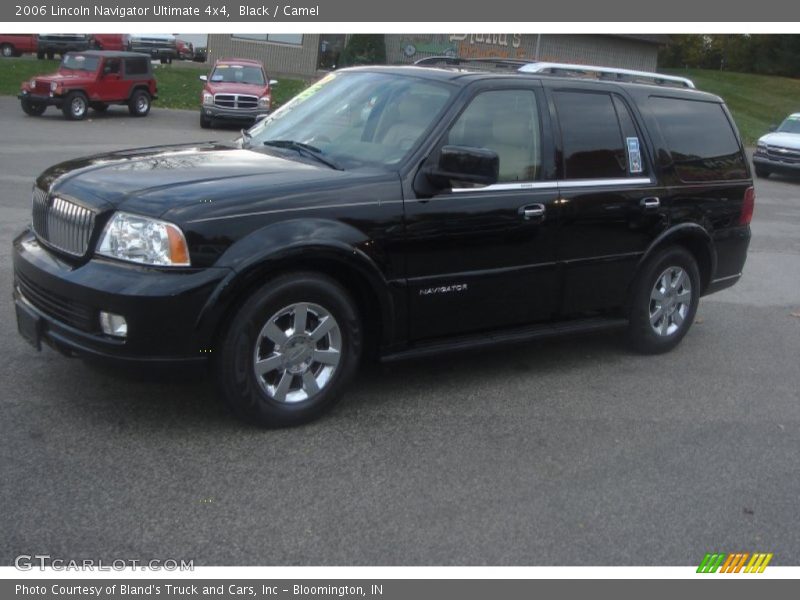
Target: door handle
column 650, row 203
column 532, row 211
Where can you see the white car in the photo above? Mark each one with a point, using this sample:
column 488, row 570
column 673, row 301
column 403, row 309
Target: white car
column 779, row 151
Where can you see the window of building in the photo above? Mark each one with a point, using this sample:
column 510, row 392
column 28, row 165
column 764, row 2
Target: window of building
column 700, row 139
column 506, row 121
column 294, row 39
column 591, row 136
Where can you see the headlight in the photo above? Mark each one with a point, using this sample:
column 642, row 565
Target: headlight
column 53, row 86
column 761, row 147
column 263, row 102
column 32, row 83
column 144, row 240
column 208, row 98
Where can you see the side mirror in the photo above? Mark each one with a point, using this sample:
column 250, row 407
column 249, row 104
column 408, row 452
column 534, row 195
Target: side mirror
column 773, row 127
column 273, row 82
column 479, row 166
column 203, row 77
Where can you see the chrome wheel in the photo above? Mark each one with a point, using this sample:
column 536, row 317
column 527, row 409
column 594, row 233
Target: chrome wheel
column 297, row 352
column 142, row 103
column 78, row 107
column 670, row 301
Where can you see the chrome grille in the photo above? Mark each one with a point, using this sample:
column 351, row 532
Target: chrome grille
column 62, row 224
column 783, row 154
column 235, row 101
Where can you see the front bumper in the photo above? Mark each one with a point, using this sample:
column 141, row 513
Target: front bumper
column 233, row 114
column 169, row 313
column 41, row 98
column 777, row 165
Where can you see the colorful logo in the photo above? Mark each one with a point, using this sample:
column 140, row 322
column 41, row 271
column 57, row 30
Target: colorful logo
column 734, row 563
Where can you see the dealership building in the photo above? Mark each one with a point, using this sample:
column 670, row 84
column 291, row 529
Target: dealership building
column 304, row 56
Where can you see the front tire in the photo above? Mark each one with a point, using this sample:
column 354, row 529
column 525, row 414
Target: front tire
column 665, row 299
column 33, row 109
column 139, row 104
column 205, row 122
column 7, row 50
column 75, row 106
column 290, row 350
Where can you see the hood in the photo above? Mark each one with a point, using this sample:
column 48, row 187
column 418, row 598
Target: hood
column 782, row 139
column 187, row 180
column 66, row 75
column 236, row 88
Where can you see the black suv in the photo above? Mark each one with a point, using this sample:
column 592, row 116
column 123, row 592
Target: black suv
column 393, row 212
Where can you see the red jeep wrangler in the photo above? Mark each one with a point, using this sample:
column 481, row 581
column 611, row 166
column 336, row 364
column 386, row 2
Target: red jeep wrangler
column 92, row 79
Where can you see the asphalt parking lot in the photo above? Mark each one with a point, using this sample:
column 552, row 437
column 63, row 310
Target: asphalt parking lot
column 569, row 452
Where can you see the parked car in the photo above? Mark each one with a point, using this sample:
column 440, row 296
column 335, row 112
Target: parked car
column 161, row 47
column 200, row 55
column 16, row 44
column 109, row 41
column 92, row 79
column 237, row 90
column 50, row 44
column 185, row 50
column 779, row 150
column 393, row 212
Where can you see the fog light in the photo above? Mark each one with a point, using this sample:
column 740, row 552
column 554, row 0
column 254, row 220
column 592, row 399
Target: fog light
column 112, row 324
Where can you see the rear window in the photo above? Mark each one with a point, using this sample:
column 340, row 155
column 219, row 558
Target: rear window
column 700, row 139
column 590, row 131
column 136, row 66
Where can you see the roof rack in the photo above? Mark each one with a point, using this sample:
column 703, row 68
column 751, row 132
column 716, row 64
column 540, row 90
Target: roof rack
column 609, row 73
column 455, row 61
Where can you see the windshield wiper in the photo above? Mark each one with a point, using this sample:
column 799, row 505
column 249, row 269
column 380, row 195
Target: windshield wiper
column 305, row 150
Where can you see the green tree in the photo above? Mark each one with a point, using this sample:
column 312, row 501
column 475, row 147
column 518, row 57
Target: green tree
column 364, row 49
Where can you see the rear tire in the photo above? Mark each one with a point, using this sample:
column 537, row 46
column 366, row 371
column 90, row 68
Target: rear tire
column 139, row 104
column 290, row 350
column 762, row 172
column 75, row 106
column 7, row 51
column 665, row 298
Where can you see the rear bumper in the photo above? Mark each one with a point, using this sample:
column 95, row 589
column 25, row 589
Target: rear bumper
column 731, row 254
column 233, row 114
column 166, row 311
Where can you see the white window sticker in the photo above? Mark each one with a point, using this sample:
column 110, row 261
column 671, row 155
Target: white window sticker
column 634, row 155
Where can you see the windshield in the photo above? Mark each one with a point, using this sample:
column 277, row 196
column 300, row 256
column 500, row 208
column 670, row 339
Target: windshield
column 79, row 62
column 357, row 118
column 237, row 74
column 790, row 125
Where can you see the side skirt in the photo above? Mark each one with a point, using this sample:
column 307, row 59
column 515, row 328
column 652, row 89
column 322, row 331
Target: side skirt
column 507, row 336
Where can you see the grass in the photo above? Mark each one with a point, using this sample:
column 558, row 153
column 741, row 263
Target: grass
column 756, row 101
column 178, row 86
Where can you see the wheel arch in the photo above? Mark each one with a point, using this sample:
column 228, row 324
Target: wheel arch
column 695, row 239
column 341, row 260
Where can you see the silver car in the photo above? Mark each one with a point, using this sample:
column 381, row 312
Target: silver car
column 779, row 151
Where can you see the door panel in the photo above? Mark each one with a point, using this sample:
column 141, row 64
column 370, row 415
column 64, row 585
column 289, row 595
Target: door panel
column 484, row 258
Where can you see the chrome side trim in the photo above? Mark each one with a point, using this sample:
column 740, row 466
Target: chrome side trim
column 563, row 184
column 726, row 278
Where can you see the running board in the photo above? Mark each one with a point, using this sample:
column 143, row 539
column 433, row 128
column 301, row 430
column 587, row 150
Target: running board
column 526, row 334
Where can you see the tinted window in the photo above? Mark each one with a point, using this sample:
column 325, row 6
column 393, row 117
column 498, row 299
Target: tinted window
column 591, row 136
column 507, row 122
column 136, row 66
column 700, row 139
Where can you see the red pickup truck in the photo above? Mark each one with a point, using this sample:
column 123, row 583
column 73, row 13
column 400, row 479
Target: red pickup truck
column 15, row 44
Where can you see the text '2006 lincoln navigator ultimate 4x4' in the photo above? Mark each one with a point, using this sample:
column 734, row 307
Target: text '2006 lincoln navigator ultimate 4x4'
column 393, row 211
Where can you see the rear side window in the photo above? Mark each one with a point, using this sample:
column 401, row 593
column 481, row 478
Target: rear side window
column 590, row 135
column 136, row 66
column 700, row 139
